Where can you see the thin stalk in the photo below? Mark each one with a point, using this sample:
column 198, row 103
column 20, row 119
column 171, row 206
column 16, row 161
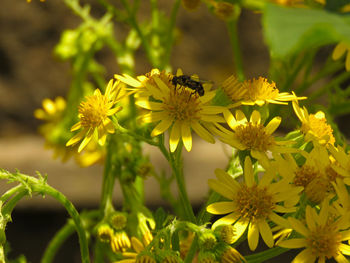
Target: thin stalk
column 336, row 81
column 134, row 24
column 177, row 167
column 60, row 237
column 170, row 36
column 232, row 26
column 44, row 189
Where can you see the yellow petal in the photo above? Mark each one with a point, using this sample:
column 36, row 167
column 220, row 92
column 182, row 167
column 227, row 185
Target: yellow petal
column 129, row 80
column 248, row 172
column 226, row 220
column 253, row 236
column 345, row 249
column 266, row 233
column 161, row 85
column 273, row 125
column 227, row 179
column 220, row 208
column 161, row 127
column 298, row 226
column 76, row 126
column 310, row 222
column 255, row 118
column 293, row 243
column 221, row 188
column 339, row 50
column 175, row 136
column 305, row 256
column 76, row 138
column 86, row 140
column 186, row 136
column 203, row 133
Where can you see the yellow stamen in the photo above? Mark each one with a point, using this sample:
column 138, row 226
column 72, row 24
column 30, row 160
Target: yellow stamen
column 254, row 136
column 254, row 203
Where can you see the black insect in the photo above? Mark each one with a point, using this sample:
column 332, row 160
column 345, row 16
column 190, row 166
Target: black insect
column 187, row 81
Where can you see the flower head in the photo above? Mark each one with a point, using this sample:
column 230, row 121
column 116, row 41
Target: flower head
column 94, row 115
column 252, row 135
column 314, row 126
column 315, row 175
column 256, row 91
column 180, row 110
column 137, row 256
column 322, row 236
column 252, row 204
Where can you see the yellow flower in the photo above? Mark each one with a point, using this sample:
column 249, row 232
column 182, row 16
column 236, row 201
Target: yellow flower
column 92, row 154
column 315, row 175
column 94, row 116
column 339, row 51
column 138, row 247
column 342, row 162
column 257, row 91
column 252, row 135
column 322, row 236
column 252, row 204
column 180, row 110
column 314, row 126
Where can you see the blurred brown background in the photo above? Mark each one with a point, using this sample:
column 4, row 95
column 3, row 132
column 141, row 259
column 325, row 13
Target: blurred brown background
column 29, row 73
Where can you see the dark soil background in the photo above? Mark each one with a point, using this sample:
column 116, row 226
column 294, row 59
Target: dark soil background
column 29, row 73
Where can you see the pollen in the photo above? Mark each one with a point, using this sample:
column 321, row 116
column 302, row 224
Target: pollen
column 182, row 104
column 317, row 190
column 324, row 241
column 318, row 125
column 254, row 136
column 164, row 76
column 304, row 175
column 93, row 111
column 260, row 89
column 254, row 203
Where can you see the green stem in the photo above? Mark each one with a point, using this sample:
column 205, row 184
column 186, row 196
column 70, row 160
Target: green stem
column 237, row 57
column 10, row 193
column 134, row 24
column 336, row 81
column 41, row 187
column 106, row 205
column 170, row 37
column 177, row 167
column 60, row 237
column 193, row 249
column 265, row 255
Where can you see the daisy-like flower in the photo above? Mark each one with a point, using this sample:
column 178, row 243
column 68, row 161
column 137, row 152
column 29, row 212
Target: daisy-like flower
column 94, row 115
column 256, row 91
column 252, row 135
column 341, row 49
column 137, row 255
column 180, row 110
column 342, row 162
column 314, row 126
column 252, row 204
column 315, row 175
column 322, row 236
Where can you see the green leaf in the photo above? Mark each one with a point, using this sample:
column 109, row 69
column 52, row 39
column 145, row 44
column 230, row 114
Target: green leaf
column 289, row 30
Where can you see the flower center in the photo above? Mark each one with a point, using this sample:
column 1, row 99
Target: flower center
column 260, row 89
column 182, row 104
column 319, row 127
column 254, row 136
column 324, row 241
column 304, row 175
column 93, row 111
column 254, row 203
